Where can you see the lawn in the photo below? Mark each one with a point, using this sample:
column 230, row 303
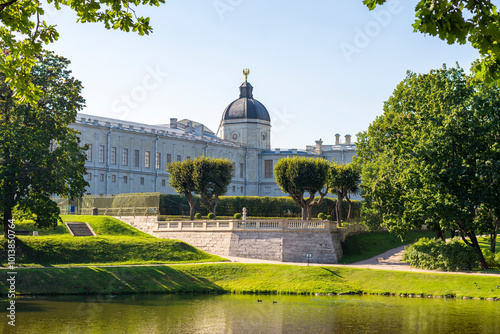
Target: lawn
column 116, row 243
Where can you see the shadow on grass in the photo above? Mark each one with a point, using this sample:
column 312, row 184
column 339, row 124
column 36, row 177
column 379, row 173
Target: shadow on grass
column 331, row 272
column 107, row 281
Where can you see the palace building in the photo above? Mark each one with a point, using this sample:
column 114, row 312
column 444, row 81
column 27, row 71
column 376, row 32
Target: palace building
column 129, row 157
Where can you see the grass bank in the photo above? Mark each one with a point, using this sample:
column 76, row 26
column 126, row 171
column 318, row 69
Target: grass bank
column 116, row 243
column 367, row 245
column 247, row 278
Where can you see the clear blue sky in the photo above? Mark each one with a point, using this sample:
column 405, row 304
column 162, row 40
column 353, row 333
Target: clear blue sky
column 320, row 67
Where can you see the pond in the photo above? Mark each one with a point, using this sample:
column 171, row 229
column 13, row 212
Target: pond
column 246, row 314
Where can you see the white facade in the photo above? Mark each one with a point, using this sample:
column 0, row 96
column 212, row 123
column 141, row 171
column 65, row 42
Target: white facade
column 127, row 157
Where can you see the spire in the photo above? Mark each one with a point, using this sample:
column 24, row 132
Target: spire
column 246, row 89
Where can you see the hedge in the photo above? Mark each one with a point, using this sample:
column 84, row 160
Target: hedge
column 255, row 205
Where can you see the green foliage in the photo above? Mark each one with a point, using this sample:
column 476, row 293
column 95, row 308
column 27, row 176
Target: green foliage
column 462, row 21
column 283, row 207
column 321, row 216
column 198, row 215
column 433, row 157
column 493, row 259
column 23, row 31
column 435, row 254
column 344, row 181
column 329, row 217
column 237, row 215
column 210, row 216
column 40, row 153
column 301, row 178
column 207, row 177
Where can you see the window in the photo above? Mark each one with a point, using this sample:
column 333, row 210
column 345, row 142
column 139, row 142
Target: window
column 158, row 160
column 188, row 158
column 113, row 155
column 136, row 158
column 242, row 169
column 125, row 157
column 89, row 177
column 233, row 173
column 146, row 159
column 234, row 189
column 101, row 177
column 101, row 154
column 241, row 189
column 268, row 168
column 142, row 180
column 125, row 179
column 179, row 158
column 169, row 158
column 89, row 153
column 113, row 178
column 163, row 183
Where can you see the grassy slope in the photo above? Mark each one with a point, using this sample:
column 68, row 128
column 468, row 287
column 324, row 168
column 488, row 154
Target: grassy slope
column 246, row 278
column 116, row 243
column 366, row 245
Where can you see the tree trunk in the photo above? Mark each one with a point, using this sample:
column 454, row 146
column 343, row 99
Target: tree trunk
column 309, row 212
column 440, row 234
column 304, row 212
column 350, row 206
column 216, row 199
column 191, row 206
column 493, row 236
column 475, row 244
column 338, row 209
column 452, row 233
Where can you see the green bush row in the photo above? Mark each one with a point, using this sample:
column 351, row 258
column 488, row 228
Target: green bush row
column 256, row 206
column 435, row 254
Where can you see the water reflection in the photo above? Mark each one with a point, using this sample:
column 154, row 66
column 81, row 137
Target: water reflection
column 244, row 314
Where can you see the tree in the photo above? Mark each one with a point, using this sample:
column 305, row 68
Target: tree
column 344, row 181
column 461, row 21
column 211, row 179
column 39, row 154
column 433, row 156
column 23, row 31
column 303, row 177
column 181, row 179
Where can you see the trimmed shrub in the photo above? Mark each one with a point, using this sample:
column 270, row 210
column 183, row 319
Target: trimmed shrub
column 321, row 216
column 256, row 206
column 237, row 215
column 437, row 255
column 492, row 259
column 198, row 215
column 210, row 216
column 329, row 217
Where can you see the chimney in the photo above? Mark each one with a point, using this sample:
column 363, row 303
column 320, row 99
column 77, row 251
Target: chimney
column 319, row 146
column 294, row 151
column 277, row 150
column 348, row 139
column 199, row 130
column 173, row 123
column 190, row 126
column 337, row 139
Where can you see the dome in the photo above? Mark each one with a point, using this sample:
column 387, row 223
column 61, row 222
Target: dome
column 246, row 107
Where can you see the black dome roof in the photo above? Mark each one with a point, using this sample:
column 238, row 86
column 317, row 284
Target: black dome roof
column 246, row 106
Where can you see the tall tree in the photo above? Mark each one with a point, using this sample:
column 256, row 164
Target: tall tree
column 211, row 179
column 462, row 21
column 432, row 157
column 301, row 178
column 181, row 179
column 39, row 154
column 344, row 181
column 23, row 31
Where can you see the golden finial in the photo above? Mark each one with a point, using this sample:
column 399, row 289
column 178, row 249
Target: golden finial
column 246, row 72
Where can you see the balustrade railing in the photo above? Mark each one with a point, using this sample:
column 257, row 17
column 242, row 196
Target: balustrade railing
column 246, row 225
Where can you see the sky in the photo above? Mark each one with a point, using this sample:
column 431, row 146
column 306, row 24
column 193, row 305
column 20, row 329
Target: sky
column 320, row 67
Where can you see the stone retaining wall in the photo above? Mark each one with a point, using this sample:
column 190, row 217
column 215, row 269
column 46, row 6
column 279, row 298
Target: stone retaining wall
column 286, row 245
